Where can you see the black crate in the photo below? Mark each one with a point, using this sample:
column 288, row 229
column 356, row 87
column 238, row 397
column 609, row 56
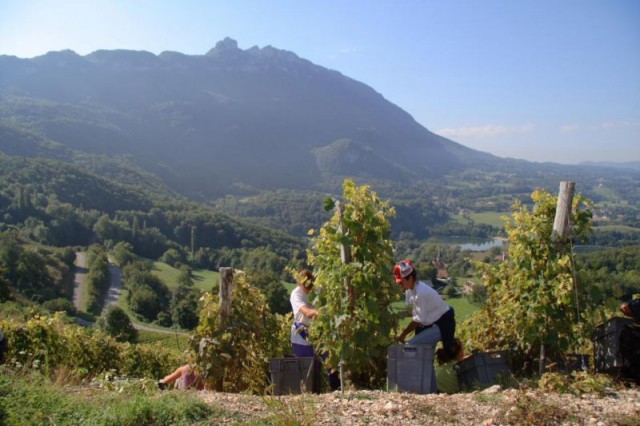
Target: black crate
column 410, row 368
column 606, row 344
column 481, row 369
column 291, row 375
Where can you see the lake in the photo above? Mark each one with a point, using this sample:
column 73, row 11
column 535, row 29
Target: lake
column 473, row 244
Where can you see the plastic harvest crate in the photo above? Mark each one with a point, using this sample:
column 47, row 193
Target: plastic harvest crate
column 606, row 344
column 409, row 368
column 481, row 370
column 291, row 375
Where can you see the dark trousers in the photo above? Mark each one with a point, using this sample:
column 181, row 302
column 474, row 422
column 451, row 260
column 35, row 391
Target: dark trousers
column 447, row 325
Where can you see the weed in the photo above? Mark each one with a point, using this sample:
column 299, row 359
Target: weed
column 429, row 410
column 488, row 398
column 295, row 411
column 577, row 383
column 528, row 411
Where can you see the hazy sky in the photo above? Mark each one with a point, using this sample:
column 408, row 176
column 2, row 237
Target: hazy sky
column 540, row 80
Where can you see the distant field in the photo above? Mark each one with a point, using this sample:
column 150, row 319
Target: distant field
column 490, row 218
column 487, row 218
column 178, row 342
column 617, row 228
column 203, row 279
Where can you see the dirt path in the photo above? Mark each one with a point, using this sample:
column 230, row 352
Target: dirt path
column 490, row 407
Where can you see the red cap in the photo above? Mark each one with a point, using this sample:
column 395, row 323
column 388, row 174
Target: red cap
column 403, row 269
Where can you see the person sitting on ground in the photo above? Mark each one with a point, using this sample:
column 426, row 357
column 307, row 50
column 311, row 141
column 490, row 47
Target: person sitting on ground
column 184, row 377
column 446, row 377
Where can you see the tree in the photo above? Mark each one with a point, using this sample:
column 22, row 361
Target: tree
column 355, row 321
column 269, row 283
column 531, row 300
column 122, row 254
column 115, row 322
column 148, row 295
column 184, row 304
column 174, row 257
column 60, row 305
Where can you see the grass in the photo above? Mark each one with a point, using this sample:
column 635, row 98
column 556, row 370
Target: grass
column 490, row 218
column 463, row 307
column 33, row 399
column 203, row 279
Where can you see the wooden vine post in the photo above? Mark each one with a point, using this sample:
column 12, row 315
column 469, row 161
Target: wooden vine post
column 563, row 209
column 225, row 293
column 345, row 256
column 559, row 233
column 226, row 296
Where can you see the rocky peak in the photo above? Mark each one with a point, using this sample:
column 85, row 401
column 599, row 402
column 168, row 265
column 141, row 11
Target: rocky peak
column 224, row 46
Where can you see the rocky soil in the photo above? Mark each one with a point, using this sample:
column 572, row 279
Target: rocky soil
column 492, row 406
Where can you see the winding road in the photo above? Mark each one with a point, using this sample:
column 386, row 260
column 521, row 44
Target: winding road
column 113, row 294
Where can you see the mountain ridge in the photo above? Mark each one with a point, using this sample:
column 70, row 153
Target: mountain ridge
column 259, row 117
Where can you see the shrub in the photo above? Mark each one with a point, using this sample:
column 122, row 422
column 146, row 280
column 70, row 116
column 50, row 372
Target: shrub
column 116, row 323
column 48, row 343
column 60, row 305
column 233, row 352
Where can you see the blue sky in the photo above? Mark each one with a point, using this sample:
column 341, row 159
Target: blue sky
column 539, row 80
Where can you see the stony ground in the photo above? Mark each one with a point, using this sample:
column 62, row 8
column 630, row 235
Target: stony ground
column 492, row 406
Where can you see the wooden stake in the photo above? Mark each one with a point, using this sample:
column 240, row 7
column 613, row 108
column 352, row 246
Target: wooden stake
column 563, row 208
column 226, row 291
column 345, row 256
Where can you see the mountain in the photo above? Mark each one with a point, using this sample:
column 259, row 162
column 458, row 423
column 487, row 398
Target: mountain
column 630, row 165
column 265, row 135
column 229, row 121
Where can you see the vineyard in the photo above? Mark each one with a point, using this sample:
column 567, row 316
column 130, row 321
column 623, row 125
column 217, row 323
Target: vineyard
column 529, row 311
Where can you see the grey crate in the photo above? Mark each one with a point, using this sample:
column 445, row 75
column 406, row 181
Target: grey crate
column 410, row 368
column 606, row 344
column 482, row 369
column 291, row 375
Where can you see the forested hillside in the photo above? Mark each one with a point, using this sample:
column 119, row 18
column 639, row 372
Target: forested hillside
column 53, row 203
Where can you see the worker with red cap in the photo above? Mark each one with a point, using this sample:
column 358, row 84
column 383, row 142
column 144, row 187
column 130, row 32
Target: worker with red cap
column 432, row 319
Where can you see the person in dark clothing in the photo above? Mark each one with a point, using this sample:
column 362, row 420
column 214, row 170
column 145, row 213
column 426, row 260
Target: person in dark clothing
column 630, row 343
column 4, row 346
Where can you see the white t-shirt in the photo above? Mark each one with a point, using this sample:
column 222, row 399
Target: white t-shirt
column 299, row 299
column 427, row 304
